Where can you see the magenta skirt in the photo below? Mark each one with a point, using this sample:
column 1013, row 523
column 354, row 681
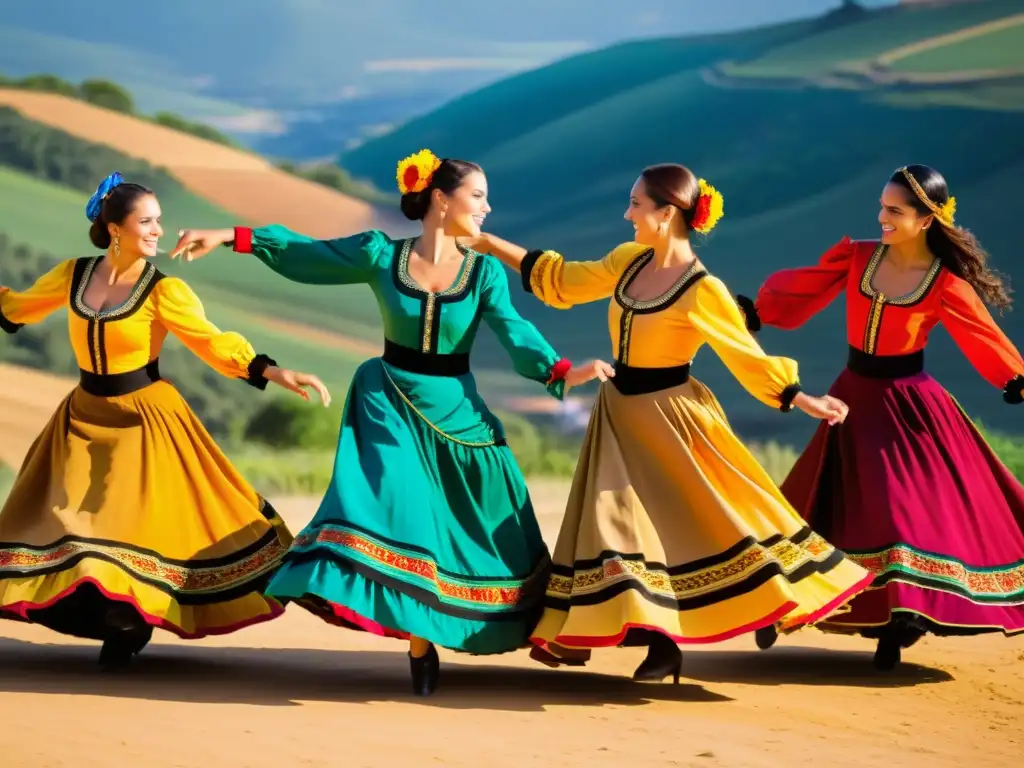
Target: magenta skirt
column 908, row 488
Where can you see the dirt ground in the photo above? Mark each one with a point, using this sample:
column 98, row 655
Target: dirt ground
column 298, row 692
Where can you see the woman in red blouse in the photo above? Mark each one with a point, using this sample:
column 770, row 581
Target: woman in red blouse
column 907, row 486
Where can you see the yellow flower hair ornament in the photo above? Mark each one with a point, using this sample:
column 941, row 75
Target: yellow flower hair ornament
column 944, row 213
column 947, row 212
column 710, row 208
column 415, row 171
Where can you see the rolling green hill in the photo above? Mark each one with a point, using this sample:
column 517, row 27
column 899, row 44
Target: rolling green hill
column 998, row 49
column 799, row 166
column 874, row 35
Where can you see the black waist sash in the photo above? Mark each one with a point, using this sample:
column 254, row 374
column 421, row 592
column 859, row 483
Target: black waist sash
column 115, row 384
column 885, row 366
column 643, row 381
column 426, row 363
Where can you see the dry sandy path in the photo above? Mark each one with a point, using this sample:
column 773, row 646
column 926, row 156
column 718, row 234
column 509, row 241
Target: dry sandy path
column 297, row 692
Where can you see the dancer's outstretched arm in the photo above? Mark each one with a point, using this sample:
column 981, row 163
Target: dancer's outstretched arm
column 48, row 294
column 559, row 283
column 296, row 257
column 181, row 312
column 772, row 380
column 983, row 343
column 532, row 356
column 791, row 297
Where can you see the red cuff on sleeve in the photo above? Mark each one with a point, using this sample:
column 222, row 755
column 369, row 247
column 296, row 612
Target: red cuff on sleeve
column 243, row 240
column 559, row 370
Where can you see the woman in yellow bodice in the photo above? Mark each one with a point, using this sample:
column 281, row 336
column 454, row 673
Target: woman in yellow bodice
column 673, row 533
column 125, row 515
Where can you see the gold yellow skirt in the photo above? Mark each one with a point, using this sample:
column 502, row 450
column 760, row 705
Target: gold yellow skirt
column 129, row 499
column 672, row 526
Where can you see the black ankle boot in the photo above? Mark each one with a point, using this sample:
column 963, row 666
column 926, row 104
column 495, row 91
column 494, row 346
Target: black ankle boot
column 425, row 672
column 663, row 659
column 765, row 637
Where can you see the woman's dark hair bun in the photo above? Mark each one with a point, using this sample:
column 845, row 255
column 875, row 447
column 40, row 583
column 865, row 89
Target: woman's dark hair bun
column 114, row 209
column 414, row 205
column 99, row 235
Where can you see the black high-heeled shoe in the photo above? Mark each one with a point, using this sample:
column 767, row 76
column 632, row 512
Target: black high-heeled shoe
column 118, row 650
column 766, row 637
column 127, row 635
column 664, row 659
column 888, row 653
column 426, row 670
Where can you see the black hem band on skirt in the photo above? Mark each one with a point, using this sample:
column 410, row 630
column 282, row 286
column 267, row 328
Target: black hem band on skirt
column 425, row 363
column 116, row 384
column 643, row 381
column 885, row 366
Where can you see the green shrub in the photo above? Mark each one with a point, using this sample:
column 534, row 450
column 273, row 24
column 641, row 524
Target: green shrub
column 1010, row 450
column 335, row 177
column 108, row 95
column 180, row 124
column 288, row 422
column 275, row 472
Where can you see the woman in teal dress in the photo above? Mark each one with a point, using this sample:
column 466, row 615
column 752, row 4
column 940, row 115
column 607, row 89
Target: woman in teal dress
column 426, row 531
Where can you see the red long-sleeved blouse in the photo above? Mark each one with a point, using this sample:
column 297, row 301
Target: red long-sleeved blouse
column 893, row 325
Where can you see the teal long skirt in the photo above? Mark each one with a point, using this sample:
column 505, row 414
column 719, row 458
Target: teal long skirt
column 427, row 528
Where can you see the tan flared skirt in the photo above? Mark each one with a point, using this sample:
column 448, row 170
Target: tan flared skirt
column 672, row 525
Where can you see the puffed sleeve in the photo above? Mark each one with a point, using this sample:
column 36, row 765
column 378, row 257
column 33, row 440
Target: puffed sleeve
column 33, row 305
column 342, row 261
column 772, row 380
column 181, row 312
column 987, row 348
column 532, row 356
column 791, row 297
column 563, row 284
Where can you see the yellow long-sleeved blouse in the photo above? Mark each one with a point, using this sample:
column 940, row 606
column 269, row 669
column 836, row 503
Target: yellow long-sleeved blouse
column 129, row 336
column 667, row 331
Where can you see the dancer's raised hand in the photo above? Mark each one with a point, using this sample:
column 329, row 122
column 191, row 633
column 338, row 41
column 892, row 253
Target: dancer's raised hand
column 827, row 408
column 297, row 382
column 595, row 369
column 195, row 243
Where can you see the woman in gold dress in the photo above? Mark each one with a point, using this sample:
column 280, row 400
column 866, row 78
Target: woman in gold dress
column 673, row 533
column 125, row 515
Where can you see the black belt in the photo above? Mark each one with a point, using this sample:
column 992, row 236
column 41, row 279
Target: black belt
column 643, row 381
column 885, row 366
column 426, row 363
column 115, row 384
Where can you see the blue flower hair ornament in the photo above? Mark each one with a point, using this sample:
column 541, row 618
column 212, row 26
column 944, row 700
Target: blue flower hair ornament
column 95, row 205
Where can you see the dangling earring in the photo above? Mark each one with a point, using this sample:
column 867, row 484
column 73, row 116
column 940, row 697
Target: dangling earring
column 117, row 259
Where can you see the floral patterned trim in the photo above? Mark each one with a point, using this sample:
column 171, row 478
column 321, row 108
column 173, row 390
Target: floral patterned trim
column 187, row 578
column 685, row 583
column 419, row 569
column 998, row 584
